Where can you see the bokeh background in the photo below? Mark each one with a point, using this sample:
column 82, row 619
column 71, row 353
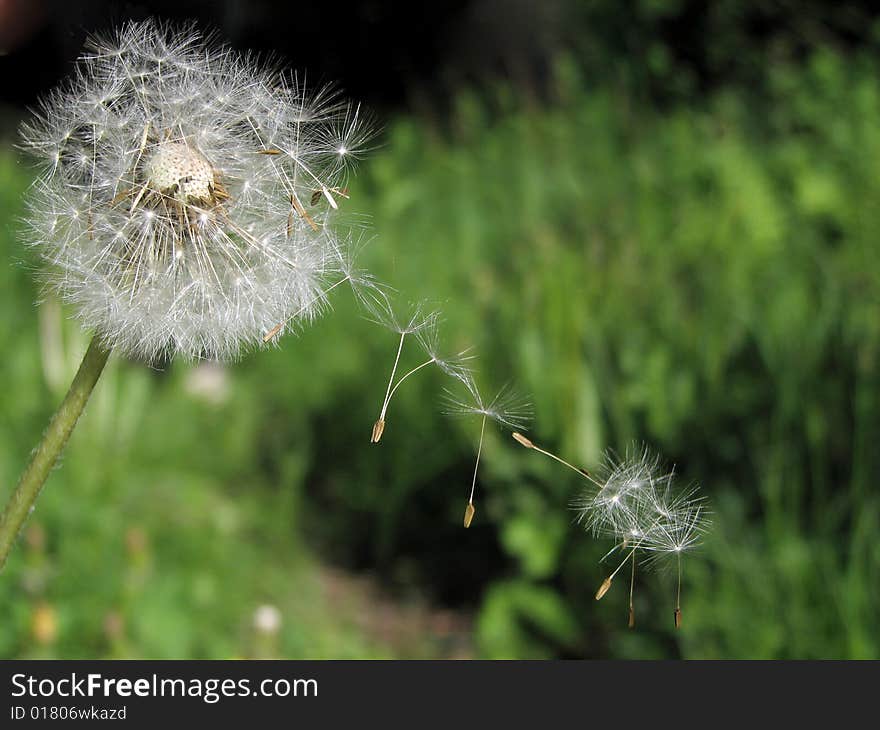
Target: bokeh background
column 659, row 219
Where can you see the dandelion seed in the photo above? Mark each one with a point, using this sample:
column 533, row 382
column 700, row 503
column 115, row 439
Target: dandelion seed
column 506, row 408
column 679, row 530
column 385, row 315
column 469, row 511
column 455, row 366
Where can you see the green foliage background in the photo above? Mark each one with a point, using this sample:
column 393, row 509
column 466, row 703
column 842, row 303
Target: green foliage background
column 702, row 276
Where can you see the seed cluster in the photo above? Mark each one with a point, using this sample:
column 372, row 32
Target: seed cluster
column 182, row 174
column 635, row 503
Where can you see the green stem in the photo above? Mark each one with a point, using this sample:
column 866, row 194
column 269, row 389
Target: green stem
column 50, row 447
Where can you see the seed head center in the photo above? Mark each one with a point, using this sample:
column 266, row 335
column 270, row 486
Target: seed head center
column 181, row 172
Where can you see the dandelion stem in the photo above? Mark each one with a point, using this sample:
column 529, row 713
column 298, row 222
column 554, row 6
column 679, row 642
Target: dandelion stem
column 22, row 500
column 477, row 465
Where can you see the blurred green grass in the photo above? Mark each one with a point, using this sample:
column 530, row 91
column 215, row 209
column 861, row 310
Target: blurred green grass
column 704, row 278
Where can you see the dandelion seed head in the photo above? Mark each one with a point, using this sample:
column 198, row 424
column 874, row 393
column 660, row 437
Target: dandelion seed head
column 180, row 171
column 164, row 207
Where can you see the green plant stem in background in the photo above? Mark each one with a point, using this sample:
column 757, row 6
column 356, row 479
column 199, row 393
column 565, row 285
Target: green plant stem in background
column 49, row 449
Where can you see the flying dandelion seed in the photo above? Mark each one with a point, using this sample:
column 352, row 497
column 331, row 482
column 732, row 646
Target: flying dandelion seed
column 428, row 336
column 507, row 408
column 418, row 320
column 634, row 502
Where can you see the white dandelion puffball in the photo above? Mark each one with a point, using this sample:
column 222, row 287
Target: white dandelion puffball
column 186, row 192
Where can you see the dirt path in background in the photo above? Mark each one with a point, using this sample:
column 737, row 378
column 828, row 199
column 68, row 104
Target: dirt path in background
column 404, row 628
